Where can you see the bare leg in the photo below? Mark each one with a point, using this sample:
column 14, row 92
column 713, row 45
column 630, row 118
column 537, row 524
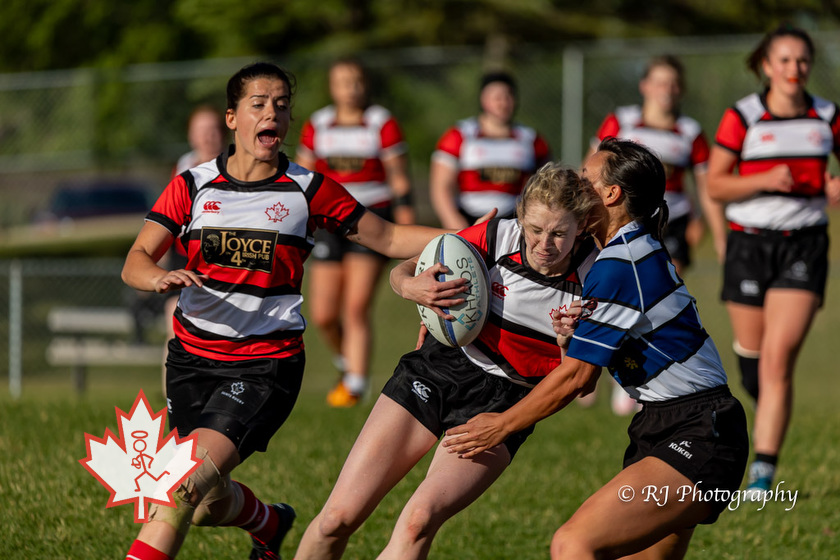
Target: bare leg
column 361, row 277
column 788, row 315
column 391, row 442
column 450, row 486
column 325, row 287
column 163, row 536
column 607, row 526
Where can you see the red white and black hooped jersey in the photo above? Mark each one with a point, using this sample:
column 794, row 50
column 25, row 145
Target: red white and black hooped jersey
column 518, row 340
column 352, row 155
column 491, row 171
column 679, row 149
column 761, row 141
column 251, row 240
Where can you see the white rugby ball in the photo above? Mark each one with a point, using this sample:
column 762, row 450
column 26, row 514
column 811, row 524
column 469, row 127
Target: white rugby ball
column 463, row 261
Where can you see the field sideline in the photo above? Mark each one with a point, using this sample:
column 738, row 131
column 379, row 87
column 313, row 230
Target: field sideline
column 52, row 508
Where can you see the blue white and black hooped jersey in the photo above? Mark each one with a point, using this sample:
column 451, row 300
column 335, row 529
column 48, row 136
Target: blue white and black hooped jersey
column 641, row 323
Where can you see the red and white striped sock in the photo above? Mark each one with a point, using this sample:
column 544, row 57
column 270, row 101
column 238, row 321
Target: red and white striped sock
column 142, row 551
column 255, row 517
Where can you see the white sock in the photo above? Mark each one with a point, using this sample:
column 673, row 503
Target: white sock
column 355, row 383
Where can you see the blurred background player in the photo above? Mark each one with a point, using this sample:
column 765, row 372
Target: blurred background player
column 483, row 162
column 541, row 258
column 776, row 262
column 207, row 137
column 679, row 142
column 360, row 145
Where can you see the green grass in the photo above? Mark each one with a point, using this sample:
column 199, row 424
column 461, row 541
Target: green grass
column 51, row 506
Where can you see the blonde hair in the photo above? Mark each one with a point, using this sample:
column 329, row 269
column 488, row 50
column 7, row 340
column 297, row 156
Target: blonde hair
column 560, row 187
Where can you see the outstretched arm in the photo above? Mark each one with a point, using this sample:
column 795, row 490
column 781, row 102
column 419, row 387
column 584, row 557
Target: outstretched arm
column 485, row 431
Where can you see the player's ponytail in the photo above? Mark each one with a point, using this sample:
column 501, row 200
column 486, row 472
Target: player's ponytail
column 641, row 177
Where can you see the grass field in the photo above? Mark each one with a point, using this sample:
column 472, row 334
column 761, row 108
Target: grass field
column 50, row 507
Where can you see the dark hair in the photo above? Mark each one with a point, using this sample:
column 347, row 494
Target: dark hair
column 236, row 84
column 641, row 177
column 503, row 77
column 670, row 61
column 759, row 54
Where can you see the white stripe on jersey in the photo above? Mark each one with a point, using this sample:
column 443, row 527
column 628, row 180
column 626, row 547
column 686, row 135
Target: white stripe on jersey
column 231, row 314
column 701, row 371
column 476, row 203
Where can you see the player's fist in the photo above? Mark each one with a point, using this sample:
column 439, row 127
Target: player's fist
column 136, row 463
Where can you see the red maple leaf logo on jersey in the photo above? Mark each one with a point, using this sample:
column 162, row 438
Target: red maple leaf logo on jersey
column 277, row 212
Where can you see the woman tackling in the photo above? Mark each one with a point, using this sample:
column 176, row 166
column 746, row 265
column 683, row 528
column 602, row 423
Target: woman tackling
column 637, row 319
column 235, row 365
column 540, row 259
column 777, row 250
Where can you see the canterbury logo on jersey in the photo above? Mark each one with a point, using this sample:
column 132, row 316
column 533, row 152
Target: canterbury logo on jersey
column 251, row 249
column 212, row 207
column 499, row 290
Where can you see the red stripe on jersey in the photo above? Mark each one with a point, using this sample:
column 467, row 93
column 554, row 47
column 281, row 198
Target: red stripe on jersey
column 237, row 350
column 532, row 359
column 808, row 173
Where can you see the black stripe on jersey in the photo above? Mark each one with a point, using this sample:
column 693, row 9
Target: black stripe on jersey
column 491, row 235
column 236, row 184
column 163, row 220
column 245, row 187
column 314, row 185
column 207, row 335
column 250, row 290
column 349, row 225
column 557, row 282
column 502, row 364
column 282, row 240
column 520, row 330
column 823, row 157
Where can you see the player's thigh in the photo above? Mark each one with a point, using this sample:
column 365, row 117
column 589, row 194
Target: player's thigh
column 326, row 279
column 391, row 442
column 639, row 507
column 453, row 483
column 747, row 324
column 788, row 316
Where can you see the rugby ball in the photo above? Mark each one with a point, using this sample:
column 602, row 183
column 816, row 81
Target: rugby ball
column 463, row 261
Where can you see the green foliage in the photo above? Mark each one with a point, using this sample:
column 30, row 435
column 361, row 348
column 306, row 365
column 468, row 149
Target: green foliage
column 44, row 34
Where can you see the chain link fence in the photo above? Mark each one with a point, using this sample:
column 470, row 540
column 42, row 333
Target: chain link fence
column 131, row 123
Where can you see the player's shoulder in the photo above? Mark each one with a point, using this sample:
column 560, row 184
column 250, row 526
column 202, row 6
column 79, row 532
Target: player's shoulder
column 323, row 116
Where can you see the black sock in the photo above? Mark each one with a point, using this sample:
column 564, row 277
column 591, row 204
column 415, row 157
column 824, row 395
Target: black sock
column 771, row 459
column 749, row 375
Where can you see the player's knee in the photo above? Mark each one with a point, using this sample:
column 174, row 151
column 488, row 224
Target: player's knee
column 189, row 494
column 338, row 523
column 220, row 505
column 324, row 319
column 421, row 524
